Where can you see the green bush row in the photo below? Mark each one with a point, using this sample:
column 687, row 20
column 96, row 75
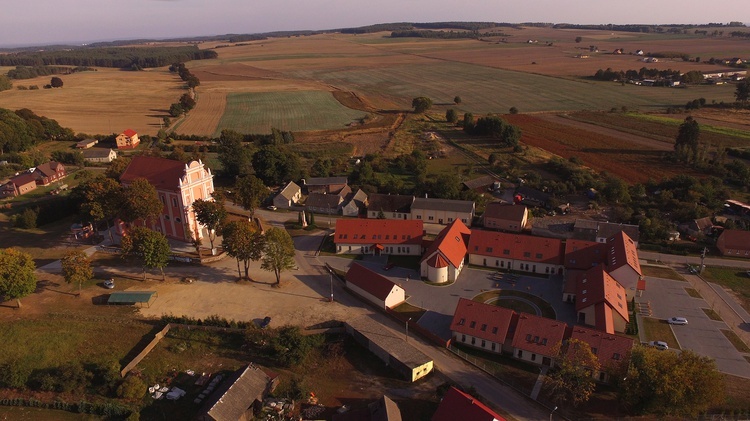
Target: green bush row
column 110, row 409
column 212, row 320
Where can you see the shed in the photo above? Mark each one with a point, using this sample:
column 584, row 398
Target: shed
column 132, row 297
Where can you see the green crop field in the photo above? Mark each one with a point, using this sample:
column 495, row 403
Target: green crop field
column 295, row 111
column 490, row 90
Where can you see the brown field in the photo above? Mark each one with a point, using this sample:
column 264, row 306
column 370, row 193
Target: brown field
column 204, row 118
column 102, row 102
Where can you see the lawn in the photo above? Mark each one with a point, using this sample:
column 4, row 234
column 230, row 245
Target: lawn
column 295, row 110
column 693, row 292
column 734, row 279
column 661, row 272
column 712, row 314
column 658, row 330
column 547, row 310
column 736, row 341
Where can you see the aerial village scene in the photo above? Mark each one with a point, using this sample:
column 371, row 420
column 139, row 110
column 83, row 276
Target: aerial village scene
column 374, row 212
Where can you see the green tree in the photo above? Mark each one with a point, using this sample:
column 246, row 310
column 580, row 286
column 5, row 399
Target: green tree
column 243, row 241
column 686, row 143
column 421, row 104
column 322, row 167
column 578, row 39
column 117, row 167
column 278, row 253
column 451, row 116
column 150, row 247
column 742, row 92
column 250, row 193
column 76, row 268
column 457, row 100
column 56, row 82
column 273, row 165
column 5, row 83
column 571, row 381
column 17, row 278
column 139, row 200
column 669, row 384
column 468, row 122
column 99, row 199
column 132, row 388
column 290, row 347
column 234, row 155
column 513, row 110
column 211, row 214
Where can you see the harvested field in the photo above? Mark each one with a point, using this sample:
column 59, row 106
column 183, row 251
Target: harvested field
column 295, row 111
column 233, row 72
column 628, row 160
column 204, row 118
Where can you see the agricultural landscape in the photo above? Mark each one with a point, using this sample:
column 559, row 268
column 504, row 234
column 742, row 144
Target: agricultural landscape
column 409, row 115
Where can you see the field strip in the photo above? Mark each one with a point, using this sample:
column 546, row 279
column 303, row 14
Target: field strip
column 605, row 131
column 204, row 118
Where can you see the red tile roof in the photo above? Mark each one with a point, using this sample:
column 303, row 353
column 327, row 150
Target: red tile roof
column 451, row 243
column 518, row 247
column 610, row 349
column 581, row 254
column 484, row 321
column 50, row 168
column 164, row 174
column 23, row 179
column 372, row 282
column 380, row 231
column 505, row 211
column 597, row 286
column 437, row 261
column 457, row 405
column 538, row 334
column 129, row 133
column 622, row 251
column 734, row 240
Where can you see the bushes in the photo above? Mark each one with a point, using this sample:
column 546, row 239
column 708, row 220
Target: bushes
column 14, row 375
column 212, row 320
column 110, row 409
column 132, row 388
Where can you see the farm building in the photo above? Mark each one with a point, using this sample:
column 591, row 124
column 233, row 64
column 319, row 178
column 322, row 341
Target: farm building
column 354, row 203
column 394, row 351
column 482, row 184
column 86, row 143
column 49, row 172
column 484, row 326
column 178, row 185
column 99, row 155
column 444, row 258
column 325, row 185
column 389, row 206
column 238, row 397
column 378, row 236
column 328, row 204
column 373, row 287
column 442, row 211
column 127, row 139
column 288, row 196
column 611, row 350
column 505, row 217
column 458, row 405
column 735, row 243
column 19, row 185
column 516, row 252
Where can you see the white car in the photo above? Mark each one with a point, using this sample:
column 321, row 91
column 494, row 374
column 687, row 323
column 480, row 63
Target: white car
column 271, row 208
column 660, row 345
column 109, row 283
column 677, row 321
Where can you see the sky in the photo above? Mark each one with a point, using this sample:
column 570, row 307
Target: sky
column 37, row 22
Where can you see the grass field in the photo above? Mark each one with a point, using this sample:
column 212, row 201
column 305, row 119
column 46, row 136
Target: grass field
column 661, row 272
column 734, row 279
column 295, row 111
column 658, row 330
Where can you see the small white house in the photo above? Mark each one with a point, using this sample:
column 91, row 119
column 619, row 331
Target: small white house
column 374, row 287
column 289, row 196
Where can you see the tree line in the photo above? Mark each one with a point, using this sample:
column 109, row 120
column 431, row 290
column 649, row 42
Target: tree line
column 409, row 26
column 643, row 72
column 122, row 57
column 23, row 129
column 30, row 72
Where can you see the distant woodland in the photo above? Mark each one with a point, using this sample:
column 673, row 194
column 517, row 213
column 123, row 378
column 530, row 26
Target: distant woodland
column 123, row 57
column 22, row 129
column 27, row 72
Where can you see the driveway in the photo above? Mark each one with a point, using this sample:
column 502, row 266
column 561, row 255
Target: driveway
column 668, row 298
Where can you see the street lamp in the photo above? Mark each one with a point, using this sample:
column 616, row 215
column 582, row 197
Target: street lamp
column 407, row 329
column 550, row 414
column 330, row 273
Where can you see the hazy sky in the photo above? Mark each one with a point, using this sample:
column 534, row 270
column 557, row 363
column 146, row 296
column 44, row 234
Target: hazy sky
column 24, row 22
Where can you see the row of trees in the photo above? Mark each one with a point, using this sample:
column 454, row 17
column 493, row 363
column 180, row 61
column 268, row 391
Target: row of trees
column 30, row 72
column 494, row 127
column 190, row 79
column 183, row 106
column 120, row 57
column 643, row 72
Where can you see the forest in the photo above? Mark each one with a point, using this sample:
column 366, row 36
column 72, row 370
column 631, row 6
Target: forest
column 124, row 57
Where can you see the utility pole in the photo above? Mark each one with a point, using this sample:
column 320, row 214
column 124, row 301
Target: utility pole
column 703, row 258
column 407, row 329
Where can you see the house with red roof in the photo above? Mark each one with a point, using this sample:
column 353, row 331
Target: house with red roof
column 484, row 326
column 378, row 236
column 508, row 217
column 734, row 243
column 601, row 301
column 178, row 185
column 536, row 339
column 611, row 350
column 445, row 256
column 374, row 287
column 516, row 252
column 623, row 265
column 18, row 185
column 49, row 172
column 458, row 405
column 127, row 139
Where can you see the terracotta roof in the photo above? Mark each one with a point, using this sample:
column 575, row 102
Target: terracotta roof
column 622, row 251
column 735, row 239
column 381, row 231
column 429, row 203
column 458, row 405
column 129, row 133
column 437, row 261
column 484, row 321
column 610, row 349
column 389, row 203
column 505, row 211
column 325, row 181
column 581, row 254
column 515, row 246
column 596, row 286
column 452, row 243
column 163, row 174
column 372, row 282
column 50, row 168
column 23, row 179
column 538, row 334
column 237, row 393
column 320, row 200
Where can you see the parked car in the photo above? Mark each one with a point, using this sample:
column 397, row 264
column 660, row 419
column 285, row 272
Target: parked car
column 109, row 283
column 266, row 321
column 272, row 207
column 677, row 321
column 660, row 345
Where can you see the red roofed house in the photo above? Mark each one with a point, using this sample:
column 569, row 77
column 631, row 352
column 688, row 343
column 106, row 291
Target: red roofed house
column 516, row 252
column 601, row 301
column 536, row 337
column 505, row 217
column 178, row 186
column 378, row 236
column 127, row 139
column 374, row 287
column 622, row 263
column 484, row 326
column 18, row 185
column 611, row 350
column 458, row 405
column 49, row 172
column 445, row 257
column 735, row 243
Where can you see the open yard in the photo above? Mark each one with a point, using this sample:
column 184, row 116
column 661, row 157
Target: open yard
column 734, row 279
